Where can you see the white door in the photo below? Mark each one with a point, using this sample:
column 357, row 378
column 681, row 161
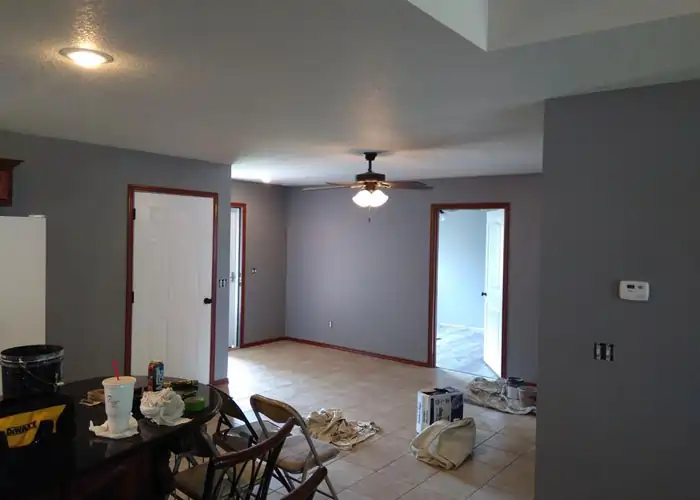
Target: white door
column 172, row 277
column 22, row 282
column 235, row 282
column 493, row 300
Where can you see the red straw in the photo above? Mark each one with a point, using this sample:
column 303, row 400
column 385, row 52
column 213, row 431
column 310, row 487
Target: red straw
column 114, row 364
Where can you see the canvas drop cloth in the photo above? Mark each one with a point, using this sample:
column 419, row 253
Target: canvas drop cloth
column 445, row 444
column 490, row 393
column 331, row 426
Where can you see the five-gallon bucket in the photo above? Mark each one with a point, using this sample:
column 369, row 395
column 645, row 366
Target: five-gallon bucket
column 29, row 370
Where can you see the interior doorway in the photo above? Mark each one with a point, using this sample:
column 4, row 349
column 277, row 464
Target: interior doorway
column 236, row 281
column 468, row 277
column 171, row 281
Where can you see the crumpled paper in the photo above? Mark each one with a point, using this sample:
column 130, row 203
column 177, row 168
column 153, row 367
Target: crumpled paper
column 163, row 407
column 103, row 430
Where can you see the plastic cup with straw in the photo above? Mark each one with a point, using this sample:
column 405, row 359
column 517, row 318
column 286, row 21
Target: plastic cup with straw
column 119, row 397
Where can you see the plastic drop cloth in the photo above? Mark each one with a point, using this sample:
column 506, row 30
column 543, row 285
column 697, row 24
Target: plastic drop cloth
column 490, row 393
column 331, row 426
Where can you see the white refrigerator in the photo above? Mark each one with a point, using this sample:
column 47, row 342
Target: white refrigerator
column 22, row 282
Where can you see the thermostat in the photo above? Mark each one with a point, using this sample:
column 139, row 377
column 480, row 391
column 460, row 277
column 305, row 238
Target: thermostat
column 634, row 290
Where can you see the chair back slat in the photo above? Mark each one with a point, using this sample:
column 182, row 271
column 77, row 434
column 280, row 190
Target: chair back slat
column 277, row 411
column 307, row 489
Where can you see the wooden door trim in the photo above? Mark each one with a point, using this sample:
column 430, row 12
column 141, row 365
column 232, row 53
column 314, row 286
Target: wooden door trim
column 132, row 190
column 432, row 283
column 241, row 301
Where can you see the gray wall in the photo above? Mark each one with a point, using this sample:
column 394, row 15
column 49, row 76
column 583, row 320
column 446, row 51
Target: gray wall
column 621, row 184
column 266, row 250
column 371, row 279
column 82, row 189
column 461, row 268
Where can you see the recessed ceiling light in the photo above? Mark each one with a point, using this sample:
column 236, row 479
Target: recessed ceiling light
column 87, row 58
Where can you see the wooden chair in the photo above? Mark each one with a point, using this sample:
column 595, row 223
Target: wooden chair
column 308, row 488
column 242, row 475
column 300, row 454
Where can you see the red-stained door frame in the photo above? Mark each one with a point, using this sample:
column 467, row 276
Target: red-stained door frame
column 432, row 286
column 132, row 190
column 241, row 300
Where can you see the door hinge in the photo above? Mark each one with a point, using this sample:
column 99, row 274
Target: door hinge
column 133, row 214
column 132, row 296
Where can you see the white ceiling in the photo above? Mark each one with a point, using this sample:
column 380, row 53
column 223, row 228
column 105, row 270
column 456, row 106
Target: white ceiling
column 498, row 24
column 291, row 89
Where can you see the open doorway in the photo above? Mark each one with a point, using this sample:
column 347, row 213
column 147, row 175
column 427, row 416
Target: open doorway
column 236, row 282
column 469, row 245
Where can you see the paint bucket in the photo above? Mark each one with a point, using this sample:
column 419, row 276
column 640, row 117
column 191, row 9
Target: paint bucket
column 512, row 386
column 30, row 370
column 527, row 395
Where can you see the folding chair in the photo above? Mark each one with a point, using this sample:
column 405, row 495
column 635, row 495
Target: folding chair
column 308, row 488
column 242, row 475
column 191, row 450
column 228, row 433
column 231, row 436
column 300, row 454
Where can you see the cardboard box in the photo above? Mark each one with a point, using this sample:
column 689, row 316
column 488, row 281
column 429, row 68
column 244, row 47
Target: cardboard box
column 439, row 404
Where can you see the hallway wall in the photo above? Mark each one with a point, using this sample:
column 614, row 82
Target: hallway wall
column 461, row 268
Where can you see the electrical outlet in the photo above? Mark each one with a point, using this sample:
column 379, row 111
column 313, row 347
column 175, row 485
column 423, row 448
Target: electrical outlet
column 330, row 324
column 603, row 351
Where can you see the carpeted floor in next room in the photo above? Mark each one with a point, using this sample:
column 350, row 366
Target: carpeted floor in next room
column 309, row 378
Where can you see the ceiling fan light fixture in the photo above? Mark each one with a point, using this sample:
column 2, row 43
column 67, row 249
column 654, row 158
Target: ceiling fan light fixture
column 370, row 199
column 378, row 199
column 362, row 198
column 87, row 58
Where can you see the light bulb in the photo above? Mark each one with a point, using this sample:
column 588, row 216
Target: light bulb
column 362, row 198
column 371, row 199
column 378, row 198
column 86, row 58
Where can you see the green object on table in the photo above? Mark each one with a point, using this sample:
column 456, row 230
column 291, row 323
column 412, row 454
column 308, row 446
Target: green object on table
column 195, row 403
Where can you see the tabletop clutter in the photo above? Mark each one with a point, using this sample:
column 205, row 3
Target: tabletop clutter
column 160, row 402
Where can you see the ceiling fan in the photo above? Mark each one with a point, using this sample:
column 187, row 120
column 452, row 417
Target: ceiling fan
column 370, row 185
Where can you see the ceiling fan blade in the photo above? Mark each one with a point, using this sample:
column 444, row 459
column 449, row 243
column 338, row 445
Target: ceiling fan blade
column 334, row 185
column 321, row 188
column 408, row 185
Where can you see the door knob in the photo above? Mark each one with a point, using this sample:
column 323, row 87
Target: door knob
column 484, row 294
column 207, row 300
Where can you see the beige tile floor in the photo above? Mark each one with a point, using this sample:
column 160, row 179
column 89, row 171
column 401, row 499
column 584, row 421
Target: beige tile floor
column 503, row 463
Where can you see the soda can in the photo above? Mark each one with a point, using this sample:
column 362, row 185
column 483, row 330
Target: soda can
column 156, row 375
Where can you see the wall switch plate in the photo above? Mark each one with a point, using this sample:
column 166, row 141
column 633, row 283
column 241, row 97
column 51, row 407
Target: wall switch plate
column 603, row 351
column 223, row 282
column 634, row 290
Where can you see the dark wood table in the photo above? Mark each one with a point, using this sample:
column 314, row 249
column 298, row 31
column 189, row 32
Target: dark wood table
column 132, row 468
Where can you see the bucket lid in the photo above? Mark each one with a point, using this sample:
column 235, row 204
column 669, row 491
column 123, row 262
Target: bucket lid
column 515, row 381
column 30, row 355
